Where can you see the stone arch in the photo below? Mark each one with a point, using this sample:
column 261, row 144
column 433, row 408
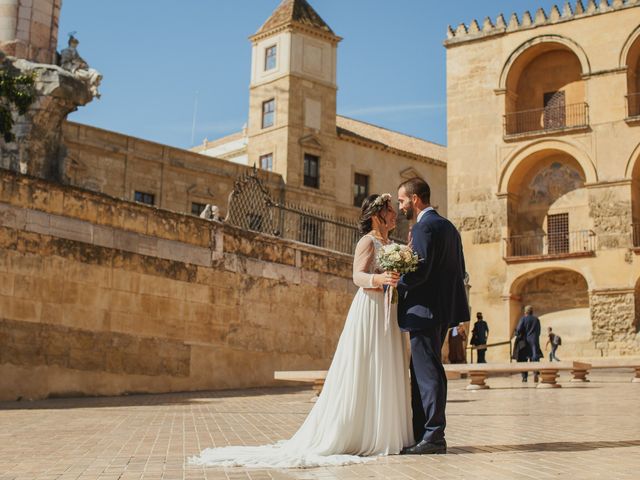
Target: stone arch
column 564, row 42
column 560, row 298
column 633, row 163
column 626, row 48
column 630, row 61
column 636, row 313
column 632, row 173
column 515, row 160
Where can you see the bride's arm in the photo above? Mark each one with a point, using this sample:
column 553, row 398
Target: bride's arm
column 362, row 260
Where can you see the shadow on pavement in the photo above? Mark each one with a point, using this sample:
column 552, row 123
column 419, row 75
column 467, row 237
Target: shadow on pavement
column 141, row 400
column 543, row 447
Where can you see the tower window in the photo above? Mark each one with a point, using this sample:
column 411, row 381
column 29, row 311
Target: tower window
column 268, row 113
column 360, row 189
column 270, row 58
column 266, row 162
column 143, row 197
column 311, row 171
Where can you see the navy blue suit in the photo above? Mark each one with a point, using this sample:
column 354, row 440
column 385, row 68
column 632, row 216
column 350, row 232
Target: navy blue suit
column 432, row 299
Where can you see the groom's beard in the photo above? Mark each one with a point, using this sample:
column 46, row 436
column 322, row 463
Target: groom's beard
column 408, row 213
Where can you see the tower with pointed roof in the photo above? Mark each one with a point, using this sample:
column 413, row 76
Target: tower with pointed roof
column 292, row 111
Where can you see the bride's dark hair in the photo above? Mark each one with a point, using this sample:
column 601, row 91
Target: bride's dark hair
column 368, row 210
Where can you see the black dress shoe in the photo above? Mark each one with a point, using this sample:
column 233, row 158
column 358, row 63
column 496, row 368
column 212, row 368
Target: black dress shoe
column 426, row 448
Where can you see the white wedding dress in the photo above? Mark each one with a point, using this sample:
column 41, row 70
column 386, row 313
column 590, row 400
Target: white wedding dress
column 364, row 409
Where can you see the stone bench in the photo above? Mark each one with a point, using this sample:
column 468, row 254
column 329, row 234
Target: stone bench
column 315, row 377
column 478, row 372
column 609, row 363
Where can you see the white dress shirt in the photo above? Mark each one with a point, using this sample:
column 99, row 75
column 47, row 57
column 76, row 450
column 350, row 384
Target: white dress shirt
column 423, row 212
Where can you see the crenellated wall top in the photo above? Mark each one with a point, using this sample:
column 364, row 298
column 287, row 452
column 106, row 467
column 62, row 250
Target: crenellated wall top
column 569, row 11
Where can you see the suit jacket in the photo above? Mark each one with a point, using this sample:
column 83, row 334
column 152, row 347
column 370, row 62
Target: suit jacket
column 479, row 333
column 435, row 293
column 529, row 329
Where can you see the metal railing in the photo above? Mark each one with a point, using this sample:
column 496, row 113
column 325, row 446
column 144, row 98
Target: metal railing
column 582, row 241
column 547, row 119
column 315, row 228
column 252, row 208
column 491, row 345
column 633, row 105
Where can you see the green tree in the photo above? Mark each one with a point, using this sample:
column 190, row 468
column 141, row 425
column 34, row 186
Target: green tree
column 17, row 93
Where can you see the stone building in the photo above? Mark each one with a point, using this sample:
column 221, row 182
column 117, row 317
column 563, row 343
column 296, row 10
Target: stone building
column 109, row 285
column 543, row 170
column 325, row 159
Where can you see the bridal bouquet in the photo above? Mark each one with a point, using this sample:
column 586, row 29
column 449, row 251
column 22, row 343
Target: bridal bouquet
column 397, row 258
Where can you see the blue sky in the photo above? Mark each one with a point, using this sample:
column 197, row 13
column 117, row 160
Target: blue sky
column 156, row 54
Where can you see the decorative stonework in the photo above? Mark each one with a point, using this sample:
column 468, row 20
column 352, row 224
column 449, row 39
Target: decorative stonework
column 569, row 11
column 610, row 209
column 36, row 148
column 486, row 218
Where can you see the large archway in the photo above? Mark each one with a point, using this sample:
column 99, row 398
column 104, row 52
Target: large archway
column 631, row 59
column 548, row 206
column 544, row 86
column 633, row 171
column 560, row 298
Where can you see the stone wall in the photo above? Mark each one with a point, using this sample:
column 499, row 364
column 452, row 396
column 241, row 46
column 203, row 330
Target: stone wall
column 119, row 165
column 99, row 296
column 614, row 324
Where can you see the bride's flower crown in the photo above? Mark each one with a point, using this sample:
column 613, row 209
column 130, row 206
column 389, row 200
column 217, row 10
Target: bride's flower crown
column 380, row 202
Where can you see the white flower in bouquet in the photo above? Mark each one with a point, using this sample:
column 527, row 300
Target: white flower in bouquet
column 397, row 258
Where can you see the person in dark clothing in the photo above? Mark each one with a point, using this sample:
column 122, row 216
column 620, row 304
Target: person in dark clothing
column 528, row 329
column 479, row 336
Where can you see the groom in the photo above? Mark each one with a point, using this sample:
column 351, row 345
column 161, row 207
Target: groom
column 432, row 299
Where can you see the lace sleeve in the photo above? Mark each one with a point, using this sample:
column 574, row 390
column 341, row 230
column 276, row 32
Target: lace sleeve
column 362, row 260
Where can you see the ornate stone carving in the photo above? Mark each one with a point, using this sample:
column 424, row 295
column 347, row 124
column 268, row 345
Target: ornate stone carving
column 71, row 61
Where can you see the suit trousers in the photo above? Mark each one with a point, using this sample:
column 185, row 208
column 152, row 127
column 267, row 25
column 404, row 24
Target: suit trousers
column 481, row 355
column 428, row 384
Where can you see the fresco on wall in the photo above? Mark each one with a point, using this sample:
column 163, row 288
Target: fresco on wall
column 553, row 182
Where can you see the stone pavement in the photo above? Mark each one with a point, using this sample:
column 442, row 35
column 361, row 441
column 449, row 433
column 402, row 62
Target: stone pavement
column 580, row 431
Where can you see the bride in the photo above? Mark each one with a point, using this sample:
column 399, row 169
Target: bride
column 364, row 409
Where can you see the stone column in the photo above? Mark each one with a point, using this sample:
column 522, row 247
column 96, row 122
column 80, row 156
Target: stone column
column 29, row 29
column 8, row 22
column 36, row 150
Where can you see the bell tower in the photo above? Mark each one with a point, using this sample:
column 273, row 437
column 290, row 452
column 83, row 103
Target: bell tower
column 292, row 108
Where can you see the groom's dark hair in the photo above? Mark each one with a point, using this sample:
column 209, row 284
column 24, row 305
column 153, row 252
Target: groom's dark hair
column 417, row 186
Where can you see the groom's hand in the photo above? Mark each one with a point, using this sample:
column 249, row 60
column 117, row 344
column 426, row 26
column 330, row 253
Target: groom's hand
column 392, row 278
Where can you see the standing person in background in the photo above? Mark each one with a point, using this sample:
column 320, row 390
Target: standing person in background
column 529, row 329
column 480, row 336
column 555, row 342
column 458, row 344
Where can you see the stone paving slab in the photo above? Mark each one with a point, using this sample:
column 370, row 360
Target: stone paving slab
column 582, row 431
